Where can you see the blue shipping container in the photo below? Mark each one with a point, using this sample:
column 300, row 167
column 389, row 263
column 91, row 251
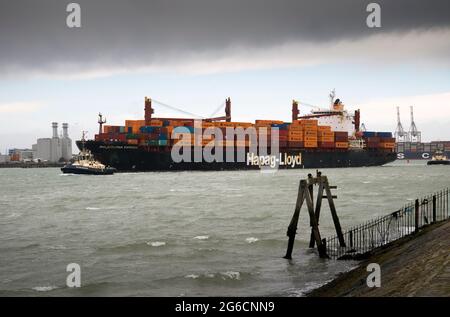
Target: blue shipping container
column 369, row 134
column 183, row 130
column 282, row 126
column 384, row 134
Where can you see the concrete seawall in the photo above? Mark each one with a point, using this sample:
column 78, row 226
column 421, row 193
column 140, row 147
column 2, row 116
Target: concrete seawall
column 417, row 265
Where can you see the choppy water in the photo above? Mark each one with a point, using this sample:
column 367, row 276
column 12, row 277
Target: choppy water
column 182, row 234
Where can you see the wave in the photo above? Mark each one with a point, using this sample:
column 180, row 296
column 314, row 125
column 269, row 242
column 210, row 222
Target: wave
column 92, row 208
column 44, row 288
column 252, row 240
column 201, row 237
column 156, row 243
column 225, row 276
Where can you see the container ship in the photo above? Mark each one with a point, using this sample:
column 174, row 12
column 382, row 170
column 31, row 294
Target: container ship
column 325, row 138
column 421, row 150
column 409, row 145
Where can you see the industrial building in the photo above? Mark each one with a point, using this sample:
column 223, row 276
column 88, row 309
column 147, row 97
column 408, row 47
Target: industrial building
column 56, row 148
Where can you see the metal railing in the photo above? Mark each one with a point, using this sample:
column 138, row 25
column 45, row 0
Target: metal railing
column 362, row 239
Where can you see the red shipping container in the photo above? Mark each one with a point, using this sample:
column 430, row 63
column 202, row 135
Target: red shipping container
column 295, row 144
column 328, row 145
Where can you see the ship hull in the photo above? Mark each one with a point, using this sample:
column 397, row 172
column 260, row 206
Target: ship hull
column 126, row 157
column 417, row 155
column 82, row 170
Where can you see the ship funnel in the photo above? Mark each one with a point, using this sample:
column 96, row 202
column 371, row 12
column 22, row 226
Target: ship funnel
column 55, row 129
column 65, row 127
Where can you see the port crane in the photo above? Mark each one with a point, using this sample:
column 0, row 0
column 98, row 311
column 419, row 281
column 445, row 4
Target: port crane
column 400, row 134
column 414, row 133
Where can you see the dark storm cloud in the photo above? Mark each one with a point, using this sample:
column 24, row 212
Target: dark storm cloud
column 34, row 36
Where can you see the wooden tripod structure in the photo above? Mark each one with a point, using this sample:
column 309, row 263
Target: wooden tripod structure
column 306, row 193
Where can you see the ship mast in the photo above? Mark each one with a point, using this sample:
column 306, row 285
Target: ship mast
column 101, row 121
column 400, row 134
column 414, row 133
column 332, row 95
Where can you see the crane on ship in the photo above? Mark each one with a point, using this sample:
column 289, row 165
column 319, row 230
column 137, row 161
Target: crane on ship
column 149, row 110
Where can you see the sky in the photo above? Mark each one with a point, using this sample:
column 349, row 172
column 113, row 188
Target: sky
column 192, row 54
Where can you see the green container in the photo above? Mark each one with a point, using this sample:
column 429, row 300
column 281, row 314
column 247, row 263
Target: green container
column 152, row 142
column 132, row 136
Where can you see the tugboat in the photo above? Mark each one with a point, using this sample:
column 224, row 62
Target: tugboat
column 439, row 158
column 86, row 164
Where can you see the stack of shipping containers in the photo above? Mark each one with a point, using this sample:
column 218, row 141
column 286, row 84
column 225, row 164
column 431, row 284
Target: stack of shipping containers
column 304, row 133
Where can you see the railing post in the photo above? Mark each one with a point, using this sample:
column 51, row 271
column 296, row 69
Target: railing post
column 434, row 208
column 416, row 214
column 351, row 238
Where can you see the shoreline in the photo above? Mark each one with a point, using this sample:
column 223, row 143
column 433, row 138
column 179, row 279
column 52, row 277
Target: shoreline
column 31, row 165
column 416, row 265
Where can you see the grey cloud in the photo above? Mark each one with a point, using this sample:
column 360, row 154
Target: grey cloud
column 33, row 34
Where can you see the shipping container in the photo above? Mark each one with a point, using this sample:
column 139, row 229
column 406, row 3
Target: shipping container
column 326, row 139
column 310, row 133
column 310, row 144
column 387, row 145
column 296, row 144
column 367, row 134
column 324, row 128
column 341, row 145
column 268, row 122
column 281, row 126
column 309, row 122
column 327, row 145
column 384, row 134
column 325, row 133
column 295, row 138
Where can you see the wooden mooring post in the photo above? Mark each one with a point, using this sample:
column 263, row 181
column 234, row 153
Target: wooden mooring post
column 306, row 193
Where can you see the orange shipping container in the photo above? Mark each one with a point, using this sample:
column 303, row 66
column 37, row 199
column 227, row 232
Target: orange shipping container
column 324, row 128
column 206, row 124
column 310, row 138
column 341, row 145
column 310, row 128
column 295, row 138
column 326, row 133
column 326, row 139
column 310, row 144
column 295, row 128
column 269, row 122
column 156, row 123
column 310, row 133
column 309, row 122
column 387, row 145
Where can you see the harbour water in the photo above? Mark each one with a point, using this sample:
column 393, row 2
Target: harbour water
column 182, row 234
